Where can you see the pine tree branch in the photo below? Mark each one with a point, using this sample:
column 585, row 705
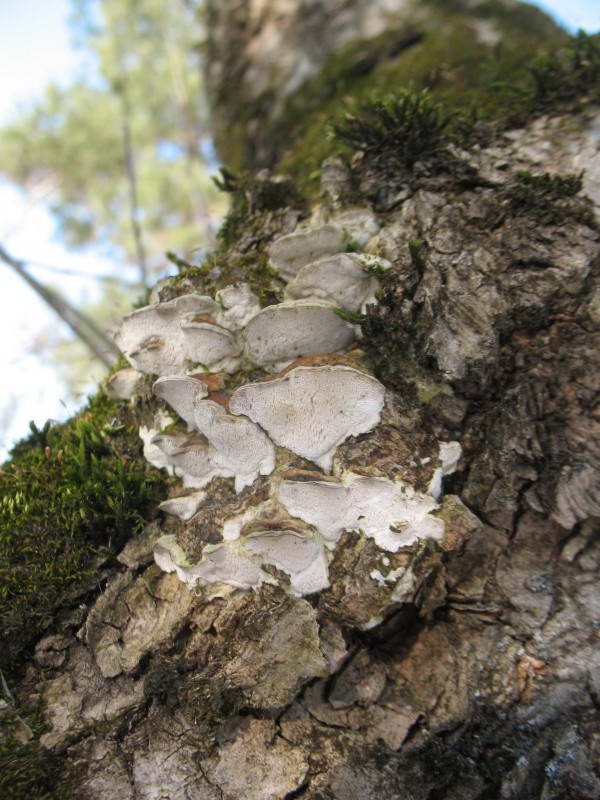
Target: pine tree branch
column 84, row 328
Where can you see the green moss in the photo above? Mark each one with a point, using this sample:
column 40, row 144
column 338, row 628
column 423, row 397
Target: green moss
column 569, row 74
column 468, row 76
column 27, row 770
column 550, row 199
column 550, row 185
column 69, row 494
column 416, row 248
column 252, row 196
column 30, row 772
column 403, row 127
column 222, row 269
column 350, row 316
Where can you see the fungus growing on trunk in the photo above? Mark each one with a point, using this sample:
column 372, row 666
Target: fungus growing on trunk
column 389, row 512
column 449, row 456
column 360, row 225
column 312, row 410
column 183, row 507
column 224, row 446
column 291, row 252
column 152, row 453
column 240, row 304
column 179, row 392
column 240, row 446
column 221, row 563
column 124, row 383
column 302, row 557
column 151, row 337
column 211, row 345
column 340, row 279
column 279, row 334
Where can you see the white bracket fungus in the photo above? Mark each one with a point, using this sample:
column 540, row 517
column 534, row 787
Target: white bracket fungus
column 359, row 224
column 449, row 456
column 211, row 345
column 240, row 304
column 340, row 279
column 279, row 334
column 232, row 527
column 221, row 563
column 291, row 252
column 242, row 447
column 151, row 337
column 152, row 453
column 124, row 383
column 229, row 446
column 312, row 410
column 179, row 391
column 302, row 557
column 389, row 512
column 194, row 460
column 183, row 507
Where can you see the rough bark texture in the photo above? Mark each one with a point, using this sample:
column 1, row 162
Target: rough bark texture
column 458, row 667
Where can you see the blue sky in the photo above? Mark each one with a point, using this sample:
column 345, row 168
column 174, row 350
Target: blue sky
column 35, row 48
column 575, row 13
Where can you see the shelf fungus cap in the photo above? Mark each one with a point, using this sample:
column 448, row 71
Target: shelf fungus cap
column 312, row 410
column 279, row 334
column 223, row 563
column 240, row 447
column 291, row 252
column 449, row 456
column 219, row 564
column 211, row 345
column 193, row 460
column 183, row 507
column 151, row 337
column 152, row 453
column 179, row 392
column 239, row 304
column 360, row 224
column 124, row 383
column 340, row 279
column 389, row 512
column 302, row 557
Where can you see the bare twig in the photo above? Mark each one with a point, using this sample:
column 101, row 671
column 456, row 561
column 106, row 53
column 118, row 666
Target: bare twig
column 84, row 328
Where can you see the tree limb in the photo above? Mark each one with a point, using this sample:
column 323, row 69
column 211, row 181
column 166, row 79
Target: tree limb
column 84, row 328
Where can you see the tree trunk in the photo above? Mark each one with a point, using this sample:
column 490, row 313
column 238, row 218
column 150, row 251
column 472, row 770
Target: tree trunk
column 407, row 608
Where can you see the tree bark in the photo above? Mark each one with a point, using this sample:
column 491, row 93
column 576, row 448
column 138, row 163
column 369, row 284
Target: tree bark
column 458, row 666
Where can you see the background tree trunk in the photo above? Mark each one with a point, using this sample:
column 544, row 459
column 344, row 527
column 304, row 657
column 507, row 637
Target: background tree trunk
column 466, row 667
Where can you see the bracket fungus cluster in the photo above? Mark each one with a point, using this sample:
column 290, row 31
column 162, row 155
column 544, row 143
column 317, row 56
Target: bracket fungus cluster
column 222, row 445
column 164, row 338
column 221, row 334
column 287, row 530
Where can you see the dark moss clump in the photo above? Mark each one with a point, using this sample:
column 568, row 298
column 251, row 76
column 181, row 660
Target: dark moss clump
column 70, row 495
column 30, row 772
column 390, row 340
column 27, row 770
column 222, row 269
column 403, row 127
column 567, row 75
column 551, row 199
